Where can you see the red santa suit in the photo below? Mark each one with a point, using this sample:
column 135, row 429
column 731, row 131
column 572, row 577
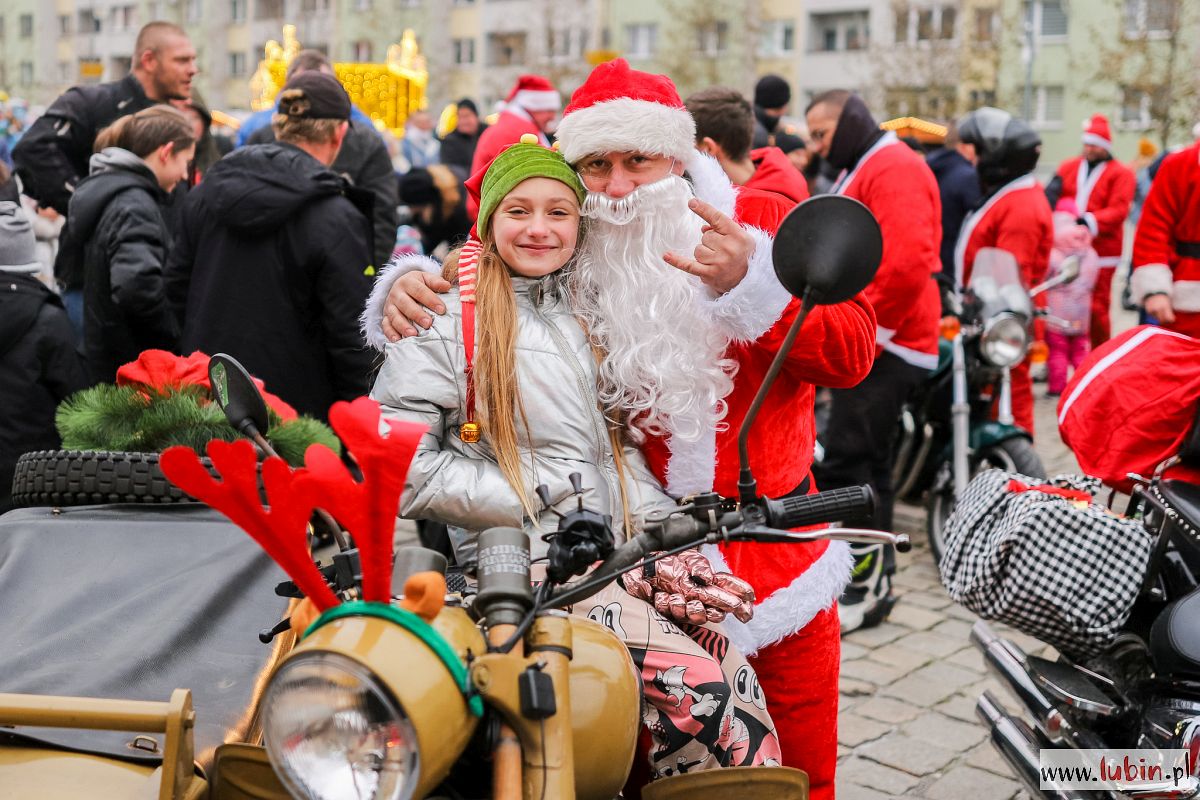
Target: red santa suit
column 1016, row 218
column 773, row 172
column 1166, row 247
column 529, row 93
column 1103, row 195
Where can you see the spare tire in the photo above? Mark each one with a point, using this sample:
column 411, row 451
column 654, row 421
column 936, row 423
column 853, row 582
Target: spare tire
column 87, row 477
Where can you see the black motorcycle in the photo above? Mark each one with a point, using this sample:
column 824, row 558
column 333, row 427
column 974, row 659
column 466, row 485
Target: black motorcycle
column 946, row 433
column 1143, row 692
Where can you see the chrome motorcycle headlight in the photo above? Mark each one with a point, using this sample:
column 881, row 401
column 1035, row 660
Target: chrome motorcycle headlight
column 333, row 732
column 1004, row 341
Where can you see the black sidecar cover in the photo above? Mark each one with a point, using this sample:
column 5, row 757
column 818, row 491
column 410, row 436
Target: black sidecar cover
column 132, row 602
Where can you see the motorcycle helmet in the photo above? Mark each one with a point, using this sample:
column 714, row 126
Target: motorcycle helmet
column 1005, row 147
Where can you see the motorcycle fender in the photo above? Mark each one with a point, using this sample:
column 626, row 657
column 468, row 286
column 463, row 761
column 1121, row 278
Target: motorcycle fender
column 989, row 433
column 29, row 773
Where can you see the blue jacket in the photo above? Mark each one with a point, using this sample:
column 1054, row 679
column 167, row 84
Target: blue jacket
column 958, row 186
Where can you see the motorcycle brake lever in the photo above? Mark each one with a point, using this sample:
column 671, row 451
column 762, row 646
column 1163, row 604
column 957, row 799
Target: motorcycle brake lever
column 857, row 535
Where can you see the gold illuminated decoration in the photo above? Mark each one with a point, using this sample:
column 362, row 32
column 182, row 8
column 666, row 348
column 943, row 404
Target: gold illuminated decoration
column 387, row 93
column 922, row 130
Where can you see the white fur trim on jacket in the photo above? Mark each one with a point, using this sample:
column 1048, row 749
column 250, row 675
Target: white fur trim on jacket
column 692, row 466
column 371, row 320
column 710, row 183
column 1090, row 220
column 627, row 125
column 1150, row 279
column 748, row 310
column 791, row 608
column 1185, row 296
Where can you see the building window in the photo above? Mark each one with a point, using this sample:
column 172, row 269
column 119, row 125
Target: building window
column 237, row 64
column 1, row 31
column 268, row 9
column 713, row 39
column 237, row 10
column 1049, row 18
column 1153, row 17
column 464, row 2
column 25, row 26
column 1048, row 110
column 314, row 5
column 842, row 31
column 193, row 10
column 778, row 37
column 946, row 23
column 124, row 18
column 88, row 21
column 985, row 25
column 1139, row 108
column 464, row 51
column 64, row 71
column 641, row 40
column 506, row 49
column 925, row 24
column 26, row 73
column 562, row 44
column 64, row 24
column 361, row 51
column 360, row 5
column 981, row 97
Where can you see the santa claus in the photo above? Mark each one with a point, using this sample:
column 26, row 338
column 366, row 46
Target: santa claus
column 530, row 106
column 682, row 300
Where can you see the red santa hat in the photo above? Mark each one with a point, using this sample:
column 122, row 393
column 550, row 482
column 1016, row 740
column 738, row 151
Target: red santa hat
column 534, row 93
column 619, row 109
column 1097, row 133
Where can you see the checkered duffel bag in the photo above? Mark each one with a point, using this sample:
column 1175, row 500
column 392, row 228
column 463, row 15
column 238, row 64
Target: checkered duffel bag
column 1043, row 558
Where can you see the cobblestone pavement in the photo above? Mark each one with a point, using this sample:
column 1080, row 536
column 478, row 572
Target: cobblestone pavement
column 907, row 725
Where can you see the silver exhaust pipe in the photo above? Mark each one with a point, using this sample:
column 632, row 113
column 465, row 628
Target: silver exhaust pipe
column 1018, row 744
column 1007, row 662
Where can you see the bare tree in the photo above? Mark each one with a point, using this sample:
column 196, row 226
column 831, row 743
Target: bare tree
column 1150, row 64
column 697, row 50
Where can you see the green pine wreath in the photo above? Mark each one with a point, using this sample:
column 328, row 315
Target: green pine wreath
column 143, row 419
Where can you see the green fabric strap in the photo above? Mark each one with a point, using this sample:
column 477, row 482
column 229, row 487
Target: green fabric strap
column 417, row 627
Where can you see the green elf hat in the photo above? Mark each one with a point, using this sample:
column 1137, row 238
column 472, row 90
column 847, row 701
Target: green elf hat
column 514, row 164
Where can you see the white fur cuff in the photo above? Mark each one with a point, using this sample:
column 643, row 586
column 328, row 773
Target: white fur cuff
column 1094, row 227
column 1185, row 296
column 1148, row 279
column 748, row 310
column 371, row 320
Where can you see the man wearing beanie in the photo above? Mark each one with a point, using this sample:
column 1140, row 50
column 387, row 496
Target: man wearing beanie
column 771, row 97
column 531, row 105
column 1103, row 190
column 678, row 294
column 458, row 146
column 272, row 261
column 39, row 366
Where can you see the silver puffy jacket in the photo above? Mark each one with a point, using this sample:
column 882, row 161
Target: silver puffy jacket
column 460, row 484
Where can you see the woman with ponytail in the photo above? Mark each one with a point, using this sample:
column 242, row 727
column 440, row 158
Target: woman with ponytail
column 117, row 216
column 506, row 381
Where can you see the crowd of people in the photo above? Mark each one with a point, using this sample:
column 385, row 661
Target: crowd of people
column 589, row 289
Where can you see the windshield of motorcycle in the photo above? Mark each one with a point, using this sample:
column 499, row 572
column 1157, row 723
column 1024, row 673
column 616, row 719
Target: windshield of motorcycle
column 996, row 283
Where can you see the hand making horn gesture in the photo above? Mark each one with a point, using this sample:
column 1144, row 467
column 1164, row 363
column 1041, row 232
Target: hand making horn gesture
column 723, row 255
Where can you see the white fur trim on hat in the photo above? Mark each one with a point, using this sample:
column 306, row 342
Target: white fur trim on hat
column 533, row 100
column 626, row 125
column 371, row 320
column 789, row 609
column 1097, row 141
column 1148, row 279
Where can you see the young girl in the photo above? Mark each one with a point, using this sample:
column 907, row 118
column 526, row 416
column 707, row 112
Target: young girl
column 525, row 413
column 116, row 214
column 1070, row 307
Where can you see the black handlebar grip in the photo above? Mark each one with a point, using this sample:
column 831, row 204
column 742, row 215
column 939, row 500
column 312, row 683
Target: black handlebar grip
column 813, row 509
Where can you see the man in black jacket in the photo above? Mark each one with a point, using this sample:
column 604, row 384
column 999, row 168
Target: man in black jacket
column 52, row 156
column 458, row 146
column 363, row 159
column 958, row 185
column 272, row 262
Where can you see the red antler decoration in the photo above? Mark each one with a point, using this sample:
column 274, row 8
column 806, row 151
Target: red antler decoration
column 280, row 531
column 368, row 509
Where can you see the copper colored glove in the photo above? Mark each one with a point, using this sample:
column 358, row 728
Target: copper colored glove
column 685, row 588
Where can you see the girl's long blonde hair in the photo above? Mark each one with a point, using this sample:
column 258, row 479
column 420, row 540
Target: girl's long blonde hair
column 498, row 398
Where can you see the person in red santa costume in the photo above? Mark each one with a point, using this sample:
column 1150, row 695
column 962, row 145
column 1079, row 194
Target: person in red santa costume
column 1103, row 190
column 1166, row 247
column 1014, row 216
column 886, row 176
column 689, row 314
column 531, row 105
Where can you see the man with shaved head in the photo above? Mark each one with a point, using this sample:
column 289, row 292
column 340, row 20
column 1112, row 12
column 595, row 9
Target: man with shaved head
column 52, row 157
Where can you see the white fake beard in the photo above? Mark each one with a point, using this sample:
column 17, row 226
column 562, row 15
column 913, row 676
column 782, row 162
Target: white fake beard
column 664, row 368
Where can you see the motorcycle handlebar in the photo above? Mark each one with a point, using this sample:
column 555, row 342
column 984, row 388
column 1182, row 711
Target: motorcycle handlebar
column 837, row 504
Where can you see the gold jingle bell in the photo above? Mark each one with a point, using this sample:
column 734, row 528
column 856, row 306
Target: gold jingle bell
column 469, row 432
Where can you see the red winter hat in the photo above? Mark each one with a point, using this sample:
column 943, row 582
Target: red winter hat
column 619, row 109
column 1097, row 133
column 534, row 93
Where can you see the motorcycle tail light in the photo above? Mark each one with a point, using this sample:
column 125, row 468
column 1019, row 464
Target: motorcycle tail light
column 334, row 732
column 1005, row 341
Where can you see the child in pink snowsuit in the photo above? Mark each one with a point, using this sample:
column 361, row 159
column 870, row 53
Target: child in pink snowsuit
column 1069, row 305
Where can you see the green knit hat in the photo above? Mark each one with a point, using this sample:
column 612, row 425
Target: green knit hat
column 516, row 163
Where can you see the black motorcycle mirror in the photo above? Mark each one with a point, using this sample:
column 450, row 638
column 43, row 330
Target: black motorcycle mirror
column 238, row 396
column 826, row 251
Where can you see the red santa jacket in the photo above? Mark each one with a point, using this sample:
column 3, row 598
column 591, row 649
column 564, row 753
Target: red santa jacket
column 793, row 583
column 773, row 172
column 511, row 125
column 1166, row 247
column 1103, row 196
column 1017, row 219
column 899, row 188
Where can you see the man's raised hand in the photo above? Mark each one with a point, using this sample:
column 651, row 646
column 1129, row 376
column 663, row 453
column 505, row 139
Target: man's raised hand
column 722, row 258
column 405, row 307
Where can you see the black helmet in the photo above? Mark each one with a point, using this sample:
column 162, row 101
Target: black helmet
column 1005, row 147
